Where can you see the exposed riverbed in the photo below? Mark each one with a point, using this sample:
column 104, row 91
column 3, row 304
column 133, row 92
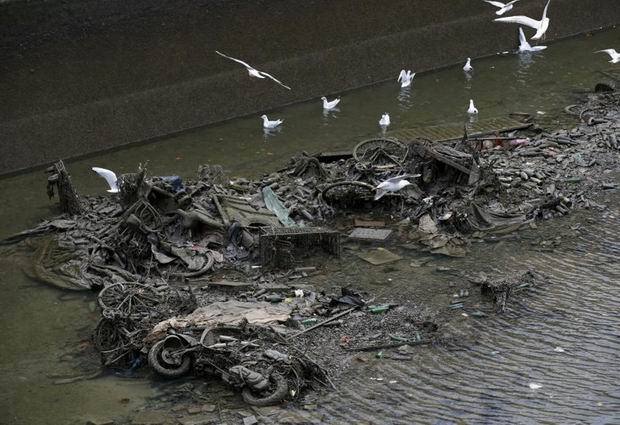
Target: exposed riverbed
column 47, row 331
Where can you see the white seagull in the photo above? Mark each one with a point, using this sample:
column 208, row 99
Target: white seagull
column 329, row 105
column 109, row 177
column 615, row 56
column 468, row 67
column 270, row 124
column 472, row 109
column 385, row 120
column 393, row 185
column 405, row 78
column 253, row 71
column 524, row 46
column 503, row 7
column 540, row 26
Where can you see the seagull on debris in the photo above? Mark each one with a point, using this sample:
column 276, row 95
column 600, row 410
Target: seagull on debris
column 540, row 26
column 109, row 177
column 503, row 7
column 385, row 120
column 472, row 109
column 615, row 56
column 255, row 72
column 393, row 185
column 405, row 78
column 524, row 46
column 329, row 105
column 270, row 124
column 468, row 67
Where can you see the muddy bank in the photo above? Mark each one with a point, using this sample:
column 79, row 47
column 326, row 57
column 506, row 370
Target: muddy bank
column 78, row 82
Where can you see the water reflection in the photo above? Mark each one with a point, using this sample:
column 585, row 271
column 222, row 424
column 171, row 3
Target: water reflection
column 271, row 132
column 469, row 76
column 405, row 98
column 329, row 114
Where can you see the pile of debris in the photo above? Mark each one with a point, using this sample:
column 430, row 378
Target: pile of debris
column 162, row 227
column 160, row 236
column 256, row 340
column 501, row 289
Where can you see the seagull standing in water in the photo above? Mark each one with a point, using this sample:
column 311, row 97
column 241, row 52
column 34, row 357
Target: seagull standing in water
column 393, row 185
column 472, row 109
column 270, row 124
column 524, row 46
column 385, row 120
column 540, row 26
column 253, row 71
column 405, row 78
column 109, row 177
column 468, row 67
column 329, row 105
column 615, row 56
column 503, row 7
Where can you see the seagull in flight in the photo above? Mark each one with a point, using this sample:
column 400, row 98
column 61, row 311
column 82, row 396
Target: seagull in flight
column 109, row 177
column 253, row 71
column 524, row 46
column 615, row 56
column 270, row 124
column 329, row 105
column 405, row 78
column 393, row 185
column 503, row 7
column 540, row 26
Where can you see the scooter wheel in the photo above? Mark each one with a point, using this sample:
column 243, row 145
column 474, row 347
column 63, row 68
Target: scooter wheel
column 274, row 395
column 157, row 361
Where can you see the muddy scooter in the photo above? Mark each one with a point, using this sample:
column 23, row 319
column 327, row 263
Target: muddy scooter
column 217, row 354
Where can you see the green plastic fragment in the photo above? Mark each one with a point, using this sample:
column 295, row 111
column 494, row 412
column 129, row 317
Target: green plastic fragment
column 378, row 309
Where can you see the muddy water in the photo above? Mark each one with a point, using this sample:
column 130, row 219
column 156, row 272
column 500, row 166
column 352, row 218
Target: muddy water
column 484, row 380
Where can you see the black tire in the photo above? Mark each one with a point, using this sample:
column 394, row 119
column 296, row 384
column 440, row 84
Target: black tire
column 275, row 396
column 166, row 369
column 106, row 336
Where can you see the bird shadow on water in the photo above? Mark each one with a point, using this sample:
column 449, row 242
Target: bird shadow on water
column 269, row 133
column 526, row 59
column 329, row 115
column 469, row 76
column 405, row 98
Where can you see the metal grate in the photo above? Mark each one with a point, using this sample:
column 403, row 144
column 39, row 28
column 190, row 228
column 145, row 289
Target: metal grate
column 281, row 246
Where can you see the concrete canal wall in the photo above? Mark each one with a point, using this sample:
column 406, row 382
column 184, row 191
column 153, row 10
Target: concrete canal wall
column 78, row 77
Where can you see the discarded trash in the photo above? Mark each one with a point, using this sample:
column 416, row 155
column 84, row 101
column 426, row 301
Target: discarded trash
column 145, row 247
column 279, row 247
column 275, row 205
column 378, row 309
column 379, row 256
column 502, row 289
column 358, row 222
column 363, row 234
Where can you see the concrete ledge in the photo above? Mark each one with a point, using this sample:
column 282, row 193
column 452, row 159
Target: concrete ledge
column 126, row 74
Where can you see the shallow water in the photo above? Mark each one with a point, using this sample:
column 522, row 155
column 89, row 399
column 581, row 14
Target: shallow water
column 45, row 330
